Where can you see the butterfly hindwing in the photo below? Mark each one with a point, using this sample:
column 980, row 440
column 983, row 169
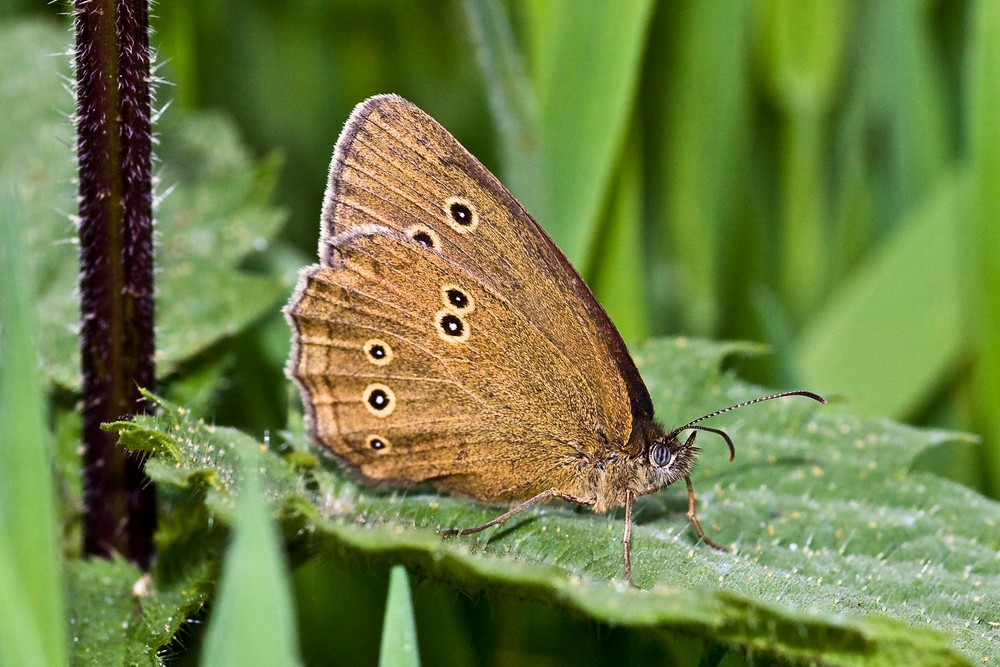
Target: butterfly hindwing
column 380, row 323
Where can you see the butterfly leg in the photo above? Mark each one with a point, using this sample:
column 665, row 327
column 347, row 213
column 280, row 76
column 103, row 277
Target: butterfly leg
column 694, row 519
column 627, row 539
column 511, row 512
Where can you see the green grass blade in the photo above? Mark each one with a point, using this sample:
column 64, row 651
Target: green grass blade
column 983, row 235
column 22, row 641
column 619, row 270
column 803, row 45
column 904, row 78
column 35, row 634
column 399, row 631
column 512, row 102
column 890, row 333
column 587, row 64
column 703, row 116
column 252, row 622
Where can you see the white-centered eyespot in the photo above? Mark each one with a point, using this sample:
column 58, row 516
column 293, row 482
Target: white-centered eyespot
column 450, row 326
column 425, row 236
column 457, row 299
column 460, row 214
column 379, row 400
column 377, row 443
column 378, row 352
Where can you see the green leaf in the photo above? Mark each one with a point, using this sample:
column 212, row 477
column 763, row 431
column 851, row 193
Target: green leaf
column 144, row 440
column 214, row 216
column 37, row 166
column 840, row 554
column 252, row 621
column 120, row 616
column 399, row 632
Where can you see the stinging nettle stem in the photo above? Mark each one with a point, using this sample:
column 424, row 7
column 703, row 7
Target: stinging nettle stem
column 114, row 144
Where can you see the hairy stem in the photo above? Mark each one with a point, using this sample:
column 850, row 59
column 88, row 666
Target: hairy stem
column 116, row 267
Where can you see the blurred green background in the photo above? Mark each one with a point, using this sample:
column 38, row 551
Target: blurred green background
column 816, row 175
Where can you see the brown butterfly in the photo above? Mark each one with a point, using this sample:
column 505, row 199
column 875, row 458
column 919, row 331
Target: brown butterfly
column 443, row 337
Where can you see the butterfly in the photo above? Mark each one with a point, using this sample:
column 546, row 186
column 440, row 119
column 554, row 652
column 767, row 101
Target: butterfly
column 444, row 338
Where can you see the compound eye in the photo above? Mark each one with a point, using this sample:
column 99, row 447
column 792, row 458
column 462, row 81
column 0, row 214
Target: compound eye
column 660, row 456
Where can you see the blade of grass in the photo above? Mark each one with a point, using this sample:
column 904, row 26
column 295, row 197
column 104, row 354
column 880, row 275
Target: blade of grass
column 587, row 63
column 854, row 204
column 512, row 102
column 253, row 622
column 22, row 641
column 890, row 333
column 618, row 267
column 35, row 634
column 399, row 633
column 705, row 124
column 803, row 44
column 983, row 234
column 904, row 79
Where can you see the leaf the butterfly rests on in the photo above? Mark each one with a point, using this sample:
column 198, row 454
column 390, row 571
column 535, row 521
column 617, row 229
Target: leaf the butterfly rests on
column 443, row 337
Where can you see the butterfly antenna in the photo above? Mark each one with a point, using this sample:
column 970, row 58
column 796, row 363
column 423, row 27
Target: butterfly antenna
column 723, row 434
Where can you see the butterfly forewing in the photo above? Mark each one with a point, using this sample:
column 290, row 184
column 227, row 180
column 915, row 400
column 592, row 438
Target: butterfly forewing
column 396, row 165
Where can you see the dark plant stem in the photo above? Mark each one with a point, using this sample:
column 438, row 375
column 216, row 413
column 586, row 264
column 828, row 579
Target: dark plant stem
column 116, row 268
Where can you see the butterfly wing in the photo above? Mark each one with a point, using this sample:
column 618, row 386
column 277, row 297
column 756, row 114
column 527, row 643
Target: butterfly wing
column 515, row 384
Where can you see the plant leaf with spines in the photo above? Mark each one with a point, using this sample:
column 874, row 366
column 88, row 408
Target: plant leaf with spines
column 839, row 554
column 119, row 616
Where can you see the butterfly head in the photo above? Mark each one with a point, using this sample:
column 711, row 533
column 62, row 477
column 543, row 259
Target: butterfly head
column 668, row 458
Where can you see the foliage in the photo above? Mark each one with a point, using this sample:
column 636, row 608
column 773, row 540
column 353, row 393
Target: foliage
column 835, row 545
column 808, row 174
column 666, row 167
